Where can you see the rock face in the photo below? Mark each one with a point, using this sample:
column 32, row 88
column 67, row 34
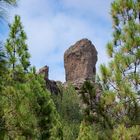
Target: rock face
column 50, row 84
column 79, row 61
column 45, row 71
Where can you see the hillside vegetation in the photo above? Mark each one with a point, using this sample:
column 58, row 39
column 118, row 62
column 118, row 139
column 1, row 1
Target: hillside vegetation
column 107, row 109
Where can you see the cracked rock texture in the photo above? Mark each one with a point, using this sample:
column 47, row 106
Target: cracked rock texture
column 80, row 62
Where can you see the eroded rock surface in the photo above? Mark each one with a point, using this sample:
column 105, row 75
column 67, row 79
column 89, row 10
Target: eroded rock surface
column 80, row 62
column 51, row 85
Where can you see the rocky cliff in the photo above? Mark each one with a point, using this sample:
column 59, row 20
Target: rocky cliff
column 80, row 62
column 80, row 65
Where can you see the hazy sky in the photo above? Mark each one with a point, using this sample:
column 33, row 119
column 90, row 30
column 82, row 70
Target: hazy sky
column 52, row 26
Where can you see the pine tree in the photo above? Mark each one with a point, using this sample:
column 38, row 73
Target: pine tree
column 2, row 64
column 28, row 112
column 17, row 49
column 67, row 104
column 123, row 133
column 91, row 110
column 125, row 47
column 86, row 132
column 117, row 107
column 4, row 4
column 48, row 119
column 26, row 108
column 120, row 80
column 3, row 9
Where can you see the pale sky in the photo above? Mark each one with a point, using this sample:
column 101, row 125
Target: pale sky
column 52, row 26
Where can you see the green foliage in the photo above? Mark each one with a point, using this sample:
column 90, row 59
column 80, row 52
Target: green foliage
column 112, row 104
column 48, row 119
column 126, row 42
column 68, row 107
column 110, row 107
column 88, row 100
column 124, row 133
column 86, row 132
column 110, row 49
column 12, row 2
column 18, row 117
column 94, row 108
column 120, row 80
column 2, row 65
column 17, row 49
column 27, row 111
column 70, row 130
column 123, row 74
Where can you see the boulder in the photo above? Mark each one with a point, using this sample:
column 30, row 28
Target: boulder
column 80, row 62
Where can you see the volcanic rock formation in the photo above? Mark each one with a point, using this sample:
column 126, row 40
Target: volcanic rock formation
column 51, row 85
column 79, row 61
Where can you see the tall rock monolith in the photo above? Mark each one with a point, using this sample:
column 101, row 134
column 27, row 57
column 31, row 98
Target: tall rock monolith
column 80, row 62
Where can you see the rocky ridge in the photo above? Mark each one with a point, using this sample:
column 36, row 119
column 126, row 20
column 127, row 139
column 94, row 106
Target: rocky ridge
column 80, row 65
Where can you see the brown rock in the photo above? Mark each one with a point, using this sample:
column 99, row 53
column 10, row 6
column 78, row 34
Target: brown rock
column 50, row 84
column 44, row 71
column 79, row 61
